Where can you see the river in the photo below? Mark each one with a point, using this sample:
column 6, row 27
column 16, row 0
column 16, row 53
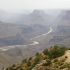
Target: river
column 34, row 42
column 43, row 34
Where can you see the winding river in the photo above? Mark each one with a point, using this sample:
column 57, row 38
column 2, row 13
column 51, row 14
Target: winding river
column 34, row 42
column 43, row 34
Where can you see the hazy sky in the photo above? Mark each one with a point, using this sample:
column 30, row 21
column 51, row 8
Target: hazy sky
column 9, row 5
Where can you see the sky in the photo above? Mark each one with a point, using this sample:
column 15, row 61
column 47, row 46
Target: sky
column 9, row 5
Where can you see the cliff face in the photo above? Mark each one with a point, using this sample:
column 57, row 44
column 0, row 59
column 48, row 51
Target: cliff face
column 62, row 32
column 65, row 17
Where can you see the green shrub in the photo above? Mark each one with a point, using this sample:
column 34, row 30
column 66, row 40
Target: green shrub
column 57, row 52
column 55, row 60
column 24, row 60
column 61, row 63
column 36, row 60
column 63, row 66
column 56, row 47
column 47, row 63
column 62, row 60
column 66, row 57
column 46, row 52
column 30, row 58
column 37, row 54
column 6, row 68
column 28, row 63
column 45, row 57
column 69, row 48
column 14, row 65
column 56, row 65
column 68, row 65
column 21, row 69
